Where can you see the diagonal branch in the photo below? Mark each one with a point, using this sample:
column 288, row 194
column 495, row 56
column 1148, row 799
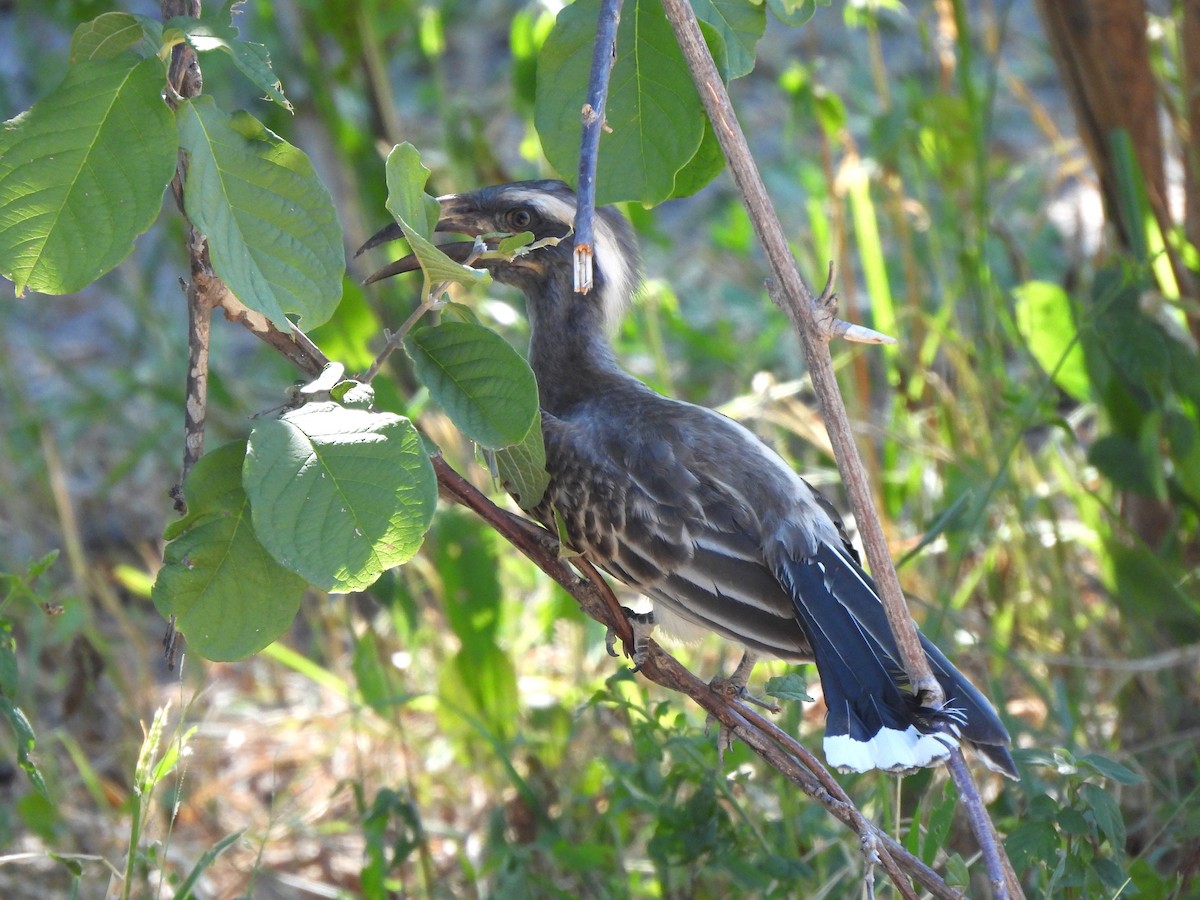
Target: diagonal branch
column 596, row 599
column 811, row 319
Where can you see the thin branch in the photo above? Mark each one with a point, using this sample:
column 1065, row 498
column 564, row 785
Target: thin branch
column 184, row 82
column 802, row 309
column 811, row 320
column 1000, row 871
column 604, row 54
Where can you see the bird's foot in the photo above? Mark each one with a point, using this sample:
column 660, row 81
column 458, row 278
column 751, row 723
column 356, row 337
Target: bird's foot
column 734, row 688
column 642, row 625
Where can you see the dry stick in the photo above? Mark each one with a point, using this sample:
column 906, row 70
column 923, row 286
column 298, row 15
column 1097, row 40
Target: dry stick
column 184, row 82
column 1000, row 871
column 807, row 320
column 799, row 306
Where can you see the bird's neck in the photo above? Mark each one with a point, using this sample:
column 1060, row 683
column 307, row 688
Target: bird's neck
column 570, row 354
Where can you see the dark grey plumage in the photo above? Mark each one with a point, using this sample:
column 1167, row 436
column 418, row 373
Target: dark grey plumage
column 694, row 511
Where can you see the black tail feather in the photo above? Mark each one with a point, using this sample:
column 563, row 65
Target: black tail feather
column 874, row 719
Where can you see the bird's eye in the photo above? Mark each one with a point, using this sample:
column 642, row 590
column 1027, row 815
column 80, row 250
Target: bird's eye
column 520, row 218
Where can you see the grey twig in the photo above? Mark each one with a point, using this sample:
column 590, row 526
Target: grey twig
column 604, row 54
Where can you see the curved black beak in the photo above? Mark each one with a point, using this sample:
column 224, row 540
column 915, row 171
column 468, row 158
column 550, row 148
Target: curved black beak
column 455, row 218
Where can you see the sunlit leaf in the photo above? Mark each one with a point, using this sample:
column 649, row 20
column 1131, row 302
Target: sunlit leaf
column 272, row 230
column 1045, row 321
column 339, row 495
column 655, row 115
column 82, row 174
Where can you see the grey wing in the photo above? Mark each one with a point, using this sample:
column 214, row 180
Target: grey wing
column 641, row 506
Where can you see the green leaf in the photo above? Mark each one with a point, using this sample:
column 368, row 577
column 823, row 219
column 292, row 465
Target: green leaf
column 464, row 555
column 339, row 495
column 230, row 598
column 941, row 816
column 209, row 33
column 656, row 117
column 481, row 382
column 9, row 672
column 112, row 33
column 1110, row 768
column 701, row 168
column 272, row 231
column 82, row 174
column 957, row 873
column 1044, row 318
column 792, row 686
column 371, row 675
column 1104, row 809
column 25, row 740
column 185, row 888
column 522, row 467
column 482, row 683
column 1034, row 841
column 740, row 25
column 407, row 201
column 1122, row 461
column 417, row 214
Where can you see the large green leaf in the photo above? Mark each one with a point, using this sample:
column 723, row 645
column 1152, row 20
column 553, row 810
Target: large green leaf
column 1045, row 321
column 230, row 598
column 339, row 495
column 272, row 231
column 481, row 382
column 656, row 117
column 82, row 174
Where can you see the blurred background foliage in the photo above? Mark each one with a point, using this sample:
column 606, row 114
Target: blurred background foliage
column 458, row 730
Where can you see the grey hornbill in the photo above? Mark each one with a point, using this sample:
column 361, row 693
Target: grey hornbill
column 692, row 510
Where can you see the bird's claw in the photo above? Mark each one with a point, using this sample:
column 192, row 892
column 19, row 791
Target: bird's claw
column 641, row 624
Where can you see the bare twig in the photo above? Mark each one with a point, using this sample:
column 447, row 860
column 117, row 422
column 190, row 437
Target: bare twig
column 1000, row 871
column 604, row 54
column 184, row 82
column 801, row 307
column 807, row 316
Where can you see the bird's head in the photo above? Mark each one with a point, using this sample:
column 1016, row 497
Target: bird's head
column 544, row 274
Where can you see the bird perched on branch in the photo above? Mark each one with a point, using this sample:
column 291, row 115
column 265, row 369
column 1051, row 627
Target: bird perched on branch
column 691, row 509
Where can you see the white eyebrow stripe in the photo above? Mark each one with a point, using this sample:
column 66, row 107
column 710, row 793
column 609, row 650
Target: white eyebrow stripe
column 620, row 278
